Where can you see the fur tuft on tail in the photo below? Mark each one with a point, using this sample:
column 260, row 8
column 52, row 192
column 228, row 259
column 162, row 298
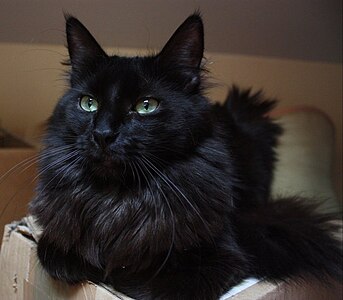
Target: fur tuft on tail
column 288, row 238
column 248, row 107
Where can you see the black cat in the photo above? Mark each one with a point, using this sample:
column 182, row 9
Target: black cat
column 146, row 186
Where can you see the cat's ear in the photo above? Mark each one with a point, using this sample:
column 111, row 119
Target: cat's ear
column 186, row 46
column 82, row 46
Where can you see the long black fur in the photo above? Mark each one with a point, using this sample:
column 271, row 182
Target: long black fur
column 174, row 204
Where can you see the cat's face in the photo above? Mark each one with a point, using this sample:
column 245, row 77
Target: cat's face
column 122, row 111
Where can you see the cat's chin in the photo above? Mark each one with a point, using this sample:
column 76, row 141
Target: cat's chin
column 106, row 167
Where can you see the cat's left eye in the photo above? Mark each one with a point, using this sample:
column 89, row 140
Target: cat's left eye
column 146, row 106
column 88, row 104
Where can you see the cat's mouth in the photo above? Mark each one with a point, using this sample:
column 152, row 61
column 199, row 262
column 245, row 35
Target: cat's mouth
column 110, row 163
column 106, row 165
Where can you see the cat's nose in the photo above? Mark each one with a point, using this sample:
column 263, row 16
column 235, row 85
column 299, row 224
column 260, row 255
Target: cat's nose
column 104, row 137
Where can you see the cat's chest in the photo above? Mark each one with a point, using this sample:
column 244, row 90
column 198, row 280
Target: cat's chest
column 150, row 218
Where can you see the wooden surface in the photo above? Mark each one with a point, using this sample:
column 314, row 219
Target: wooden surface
column 17, row 186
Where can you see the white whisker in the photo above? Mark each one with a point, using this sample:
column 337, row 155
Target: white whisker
column 176, row 192
column 172, row 218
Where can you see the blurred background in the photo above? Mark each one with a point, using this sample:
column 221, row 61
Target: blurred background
column 291, row 49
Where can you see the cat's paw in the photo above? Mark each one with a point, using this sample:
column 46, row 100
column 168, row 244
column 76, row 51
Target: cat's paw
column 61, row 266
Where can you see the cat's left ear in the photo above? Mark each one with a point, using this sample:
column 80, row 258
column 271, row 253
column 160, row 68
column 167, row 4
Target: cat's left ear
column 186, row 46
column 82, row 46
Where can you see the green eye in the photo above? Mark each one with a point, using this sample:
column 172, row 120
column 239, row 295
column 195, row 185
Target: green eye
column 146, row 106
column 89, row 104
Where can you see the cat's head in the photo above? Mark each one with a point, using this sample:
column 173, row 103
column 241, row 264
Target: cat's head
column 124, row 110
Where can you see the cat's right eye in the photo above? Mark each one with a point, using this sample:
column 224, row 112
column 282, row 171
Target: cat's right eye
column 146, row 106
column 88, row 104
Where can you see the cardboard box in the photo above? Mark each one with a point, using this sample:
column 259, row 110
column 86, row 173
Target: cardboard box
column 22, row 278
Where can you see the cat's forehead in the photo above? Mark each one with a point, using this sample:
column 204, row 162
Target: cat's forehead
column 123, row 76
column 116, row 69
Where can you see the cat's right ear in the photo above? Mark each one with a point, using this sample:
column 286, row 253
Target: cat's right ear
column 184, row 51
column 82, row 46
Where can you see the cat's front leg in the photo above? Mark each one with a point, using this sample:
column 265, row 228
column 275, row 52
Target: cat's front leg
column 198, row 283
column 65, row 265
column 198, row 277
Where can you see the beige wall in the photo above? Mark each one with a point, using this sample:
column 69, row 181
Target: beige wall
column 31, row 80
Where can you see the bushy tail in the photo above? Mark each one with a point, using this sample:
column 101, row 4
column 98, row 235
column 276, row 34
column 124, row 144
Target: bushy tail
column 254, row 134
column 251, row 108
column 289, row 238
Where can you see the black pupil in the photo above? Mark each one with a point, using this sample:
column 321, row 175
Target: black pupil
column 90, row 103
column 146, row 104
